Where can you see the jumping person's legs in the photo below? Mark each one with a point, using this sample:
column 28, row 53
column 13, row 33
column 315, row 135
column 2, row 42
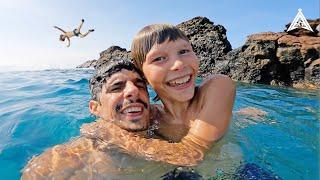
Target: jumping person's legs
column 85, row 34
column 80, row 26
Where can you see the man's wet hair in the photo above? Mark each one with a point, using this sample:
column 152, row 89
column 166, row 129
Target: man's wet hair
column 109, row 68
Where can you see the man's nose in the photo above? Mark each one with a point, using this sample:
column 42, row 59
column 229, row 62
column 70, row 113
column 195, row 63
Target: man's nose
column 131, row 90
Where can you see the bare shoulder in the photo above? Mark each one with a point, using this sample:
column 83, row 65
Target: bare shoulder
column 60, row 160
column 215, row 102
column 218, row 81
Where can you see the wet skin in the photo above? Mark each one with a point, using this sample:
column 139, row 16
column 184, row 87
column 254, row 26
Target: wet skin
column 171, row 69
column 192, row 119
column 124, row 100
column 123, row 104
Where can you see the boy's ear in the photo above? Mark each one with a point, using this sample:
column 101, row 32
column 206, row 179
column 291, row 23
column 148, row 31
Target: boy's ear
column 94, row 107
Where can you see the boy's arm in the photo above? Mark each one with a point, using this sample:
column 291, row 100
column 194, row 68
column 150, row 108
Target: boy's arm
column 189, row 152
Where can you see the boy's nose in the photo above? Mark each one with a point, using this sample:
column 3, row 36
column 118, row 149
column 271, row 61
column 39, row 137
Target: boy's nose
column 177, row 65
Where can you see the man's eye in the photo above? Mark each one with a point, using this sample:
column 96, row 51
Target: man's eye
column 115, row 89
column 183, row 51
column 161, row 58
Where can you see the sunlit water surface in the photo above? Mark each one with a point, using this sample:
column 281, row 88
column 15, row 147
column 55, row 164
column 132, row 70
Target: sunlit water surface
column 39, row 109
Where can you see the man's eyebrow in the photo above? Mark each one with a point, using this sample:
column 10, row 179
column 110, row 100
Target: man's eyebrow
column 117, row 82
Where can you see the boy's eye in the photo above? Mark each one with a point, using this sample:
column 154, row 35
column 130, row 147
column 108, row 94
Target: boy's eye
column 161, row 58
column 183, row 51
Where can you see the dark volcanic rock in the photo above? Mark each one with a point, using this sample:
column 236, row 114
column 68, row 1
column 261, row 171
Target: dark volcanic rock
column 208, row 40
column 285, row 59
column 276, row 59
column 111, row 53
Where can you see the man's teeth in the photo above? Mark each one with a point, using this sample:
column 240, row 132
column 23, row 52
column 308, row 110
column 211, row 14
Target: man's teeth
column 132, row 110
column 180, row 81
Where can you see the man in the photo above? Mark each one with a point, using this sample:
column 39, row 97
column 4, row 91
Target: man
column 120, row 99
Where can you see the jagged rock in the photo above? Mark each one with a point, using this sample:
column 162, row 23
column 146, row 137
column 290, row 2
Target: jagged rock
column 112, row 52
column 208, row 40
column 88, row 64
column 276, row 59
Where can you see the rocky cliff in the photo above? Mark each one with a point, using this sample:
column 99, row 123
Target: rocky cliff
column 284, row 59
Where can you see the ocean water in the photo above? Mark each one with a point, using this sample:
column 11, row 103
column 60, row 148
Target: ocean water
column 39, row 109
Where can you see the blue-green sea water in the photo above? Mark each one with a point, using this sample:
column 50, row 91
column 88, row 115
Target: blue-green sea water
column 39, row 109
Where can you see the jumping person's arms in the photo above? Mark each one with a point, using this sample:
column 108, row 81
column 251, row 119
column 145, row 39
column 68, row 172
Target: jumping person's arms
column 59, row 29
column 189, row 152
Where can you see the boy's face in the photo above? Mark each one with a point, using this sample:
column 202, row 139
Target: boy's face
column 125, row 101
column 171, row 69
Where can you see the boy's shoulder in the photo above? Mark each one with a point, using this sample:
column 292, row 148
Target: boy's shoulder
column 209, row 86
column 215, row 82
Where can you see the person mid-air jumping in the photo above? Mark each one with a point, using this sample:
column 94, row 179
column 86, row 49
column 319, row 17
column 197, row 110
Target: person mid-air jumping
column 75, row 32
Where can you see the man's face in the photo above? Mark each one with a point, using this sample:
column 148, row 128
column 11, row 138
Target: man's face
column 125, row 101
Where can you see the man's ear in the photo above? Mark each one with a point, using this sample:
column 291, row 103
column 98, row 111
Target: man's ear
column 94, row 107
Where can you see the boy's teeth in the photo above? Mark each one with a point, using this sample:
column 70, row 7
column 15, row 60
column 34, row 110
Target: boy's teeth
column 132, row 110
column 180, row 81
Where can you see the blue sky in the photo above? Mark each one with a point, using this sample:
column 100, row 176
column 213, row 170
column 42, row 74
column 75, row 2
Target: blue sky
column 28, row 39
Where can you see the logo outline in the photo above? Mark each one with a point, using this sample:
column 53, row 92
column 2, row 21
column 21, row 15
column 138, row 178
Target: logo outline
column 299, row 22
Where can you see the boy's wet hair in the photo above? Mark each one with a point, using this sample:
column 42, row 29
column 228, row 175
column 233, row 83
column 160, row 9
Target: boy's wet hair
column 109, row 68
column 151, row 35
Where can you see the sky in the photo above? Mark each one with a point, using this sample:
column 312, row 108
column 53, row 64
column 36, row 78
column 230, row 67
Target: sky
column 28, row 40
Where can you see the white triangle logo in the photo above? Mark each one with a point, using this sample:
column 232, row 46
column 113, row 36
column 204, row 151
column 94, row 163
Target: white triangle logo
column 299, row 22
